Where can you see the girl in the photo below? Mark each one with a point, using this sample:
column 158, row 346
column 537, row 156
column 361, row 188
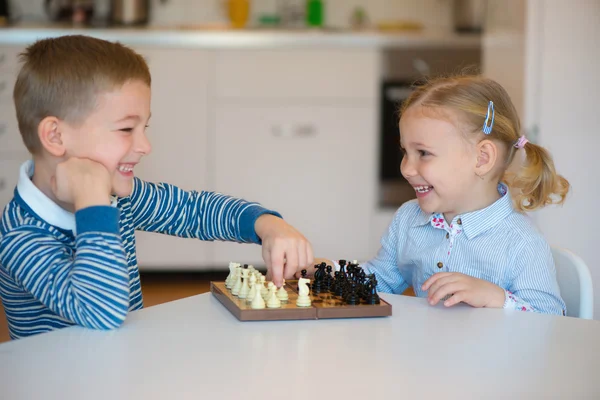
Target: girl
column 465, row 238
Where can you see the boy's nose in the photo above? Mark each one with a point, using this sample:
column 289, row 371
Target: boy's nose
column 142, row 145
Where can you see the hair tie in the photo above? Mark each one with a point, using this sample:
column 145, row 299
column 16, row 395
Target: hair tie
column 521, row 142
column 487, row 125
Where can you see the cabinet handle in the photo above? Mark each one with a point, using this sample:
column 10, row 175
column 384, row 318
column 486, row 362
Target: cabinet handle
column 2, row 184
column 301, row 130
column 305, row 130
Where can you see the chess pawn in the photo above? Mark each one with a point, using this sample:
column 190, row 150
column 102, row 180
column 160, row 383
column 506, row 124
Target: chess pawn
column 238, row 282
column 282, row 294
column 245, row 287
column 273, row 302
column 230, row 276
column 252, row 291
column 263, row 291
column 258, row 302
column 303, row 297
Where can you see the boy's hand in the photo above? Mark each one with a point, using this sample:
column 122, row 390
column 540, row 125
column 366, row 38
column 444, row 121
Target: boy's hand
column 473, row 291
column 284, row 249
column 82, row 182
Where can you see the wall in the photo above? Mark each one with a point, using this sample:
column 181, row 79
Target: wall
column 568, row 90
column 432, row 13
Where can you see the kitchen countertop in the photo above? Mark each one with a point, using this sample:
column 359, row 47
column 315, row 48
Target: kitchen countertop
column 198, row 37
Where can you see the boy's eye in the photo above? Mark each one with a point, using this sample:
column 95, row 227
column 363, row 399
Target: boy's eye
column 424, row 153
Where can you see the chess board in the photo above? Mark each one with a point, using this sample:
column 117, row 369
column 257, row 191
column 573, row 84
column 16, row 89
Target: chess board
column 323, row 306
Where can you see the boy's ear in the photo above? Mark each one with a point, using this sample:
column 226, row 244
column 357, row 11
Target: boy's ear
column 50, row 136
column 487, row 154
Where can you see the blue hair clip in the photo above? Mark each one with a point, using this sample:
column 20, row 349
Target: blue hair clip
column 488, row 125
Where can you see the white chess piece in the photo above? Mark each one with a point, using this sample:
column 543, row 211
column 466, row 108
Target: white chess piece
column 245, row 287
column 230, row 281
column 303, row 297
column 282, row 294
column 238, row 281
column 263, row 290
column 253, row 286
column 258, row 302
column 273, row 302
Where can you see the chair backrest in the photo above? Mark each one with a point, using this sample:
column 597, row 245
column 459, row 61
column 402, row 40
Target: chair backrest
column 575, row 283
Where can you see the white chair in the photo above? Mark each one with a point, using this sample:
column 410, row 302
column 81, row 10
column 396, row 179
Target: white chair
column 575, row 283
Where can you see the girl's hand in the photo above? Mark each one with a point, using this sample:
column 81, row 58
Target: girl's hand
column 463, row 288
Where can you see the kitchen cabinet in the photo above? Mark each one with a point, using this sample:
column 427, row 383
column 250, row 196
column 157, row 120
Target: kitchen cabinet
column 178, row 134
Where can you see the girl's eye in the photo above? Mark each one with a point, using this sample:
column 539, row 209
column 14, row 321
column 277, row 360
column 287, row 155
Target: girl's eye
column 423, row 153
column 126, row 130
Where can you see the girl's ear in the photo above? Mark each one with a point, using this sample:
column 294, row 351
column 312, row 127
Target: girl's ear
column 50, row 136
column 487, row 154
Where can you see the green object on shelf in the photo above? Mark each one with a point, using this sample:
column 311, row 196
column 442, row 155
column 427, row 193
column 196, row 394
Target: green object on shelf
column 269, row 20
column 314, row 13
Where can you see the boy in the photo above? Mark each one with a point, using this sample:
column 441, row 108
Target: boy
column 67, row 244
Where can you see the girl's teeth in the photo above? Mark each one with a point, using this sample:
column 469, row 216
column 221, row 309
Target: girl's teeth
column 423, row 189
column 123, row 168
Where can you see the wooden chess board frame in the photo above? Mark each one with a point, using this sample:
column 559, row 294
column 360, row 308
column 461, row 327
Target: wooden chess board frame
column 323, row 306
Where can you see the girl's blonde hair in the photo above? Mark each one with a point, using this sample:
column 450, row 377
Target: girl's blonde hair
column 536, row 183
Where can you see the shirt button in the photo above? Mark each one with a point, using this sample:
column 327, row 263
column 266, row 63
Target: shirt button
column 459, row 221
column 440, row 265
column 447, row 235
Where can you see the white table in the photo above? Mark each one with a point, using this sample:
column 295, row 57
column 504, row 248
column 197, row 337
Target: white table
column 194, row 348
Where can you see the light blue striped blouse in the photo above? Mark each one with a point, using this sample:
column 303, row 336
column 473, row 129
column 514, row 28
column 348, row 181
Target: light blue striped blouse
column 59, row 269
column 497, row 244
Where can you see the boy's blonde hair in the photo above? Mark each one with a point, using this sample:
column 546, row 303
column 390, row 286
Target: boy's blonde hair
column 536, row 183
column 62, row 77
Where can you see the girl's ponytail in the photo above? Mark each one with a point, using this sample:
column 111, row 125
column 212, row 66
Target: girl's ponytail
column 536, row 183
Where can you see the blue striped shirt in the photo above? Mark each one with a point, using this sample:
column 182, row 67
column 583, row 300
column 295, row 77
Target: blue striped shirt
column 59, row 269
column 496, row 244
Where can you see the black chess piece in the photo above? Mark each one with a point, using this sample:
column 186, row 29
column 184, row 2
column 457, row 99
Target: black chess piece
column 338, row 283
column 328, row 279
column 303, row 273
column 317, row 285
column 373, row 296
column 343, row 267
column 352, row 299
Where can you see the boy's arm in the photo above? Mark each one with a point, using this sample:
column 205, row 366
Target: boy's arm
column 534, row 286
column 164, row 208
column 89, row 288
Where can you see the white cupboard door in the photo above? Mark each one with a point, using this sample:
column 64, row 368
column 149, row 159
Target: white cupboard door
column 314, row 165
column 178, row 136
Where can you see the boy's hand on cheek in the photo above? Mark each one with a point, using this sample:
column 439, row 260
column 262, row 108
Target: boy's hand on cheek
column 284, row 249
column 82, row 182
column 463, row 288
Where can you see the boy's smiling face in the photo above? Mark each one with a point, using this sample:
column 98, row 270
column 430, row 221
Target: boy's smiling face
column 114, row 134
